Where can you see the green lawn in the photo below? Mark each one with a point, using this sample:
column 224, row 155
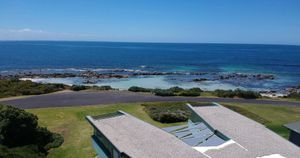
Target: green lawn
column 76, row 131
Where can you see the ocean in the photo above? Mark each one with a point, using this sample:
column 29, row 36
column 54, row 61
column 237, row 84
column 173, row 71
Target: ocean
column 282, row 61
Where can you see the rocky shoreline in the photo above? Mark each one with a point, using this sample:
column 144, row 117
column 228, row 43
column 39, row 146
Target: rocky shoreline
column 92, row 77
column 247, row 76
column 238, row 76
column 293, row 89
column 127, row 74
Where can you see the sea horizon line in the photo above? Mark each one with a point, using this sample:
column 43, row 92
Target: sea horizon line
column 150, row 42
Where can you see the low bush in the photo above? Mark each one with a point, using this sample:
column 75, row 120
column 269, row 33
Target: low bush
column 55, row 142
column 139, row 89
column 173, row 91
column 193, row 92
column 237, row 93
column 78, row 87
column 16, row 87
column 196, row 89
column 247, row 94
column 224, row 93
column 105, row 88
column 294, row 95
column 163, row 92
column 28, row 151
column 172, row 117
column 101, row 88
column 189, row 93
column 176, row 89
column 167, row 112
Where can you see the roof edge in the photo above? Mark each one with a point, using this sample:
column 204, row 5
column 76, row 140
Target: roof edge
column 216, row 131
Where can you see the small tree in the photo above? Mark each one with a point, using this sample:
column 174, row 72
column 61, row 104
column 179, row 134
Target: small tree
column 20, row 128
column 17, row 127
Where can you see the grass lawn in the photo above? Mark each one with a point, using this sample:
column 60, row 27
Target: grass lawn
column 70, row 122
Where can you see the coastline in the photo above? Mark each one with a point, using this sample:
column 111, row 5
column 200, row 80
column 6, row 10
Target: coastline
column 123, row 79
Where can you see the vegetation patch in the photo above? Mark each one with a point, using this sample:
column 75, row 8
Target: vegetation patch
column 294, row 95
column 16, row 87
column 82, row 87
column 22, row 137
column 164, row 92
column 139, row 89
column 78, row 87
column 176, row 89
column 102, row 88
column 193, row 92
column 237, row 93
column 173, row 91
column 167, row 112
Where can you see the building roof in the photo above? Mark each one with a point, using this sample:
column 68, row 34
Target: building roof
column 252, row 139
column 243, row 137
column 139, row 139
column 295, row 126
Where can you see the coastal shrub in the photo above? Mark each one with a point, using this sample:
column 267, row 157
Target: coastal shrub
column 173, row 91
column 56, row 141
column 196, row 89
column 139, row 89
column 237, row 93
column 28, row 151
column 176, row 89
column 171, row 117
column 78, row 88
column 163, row 92
column 16, row 87
column 101, row 88
column 246, row 94
column 167, row 112
column 19, row 130
column 224, row 93
column 190, row 93
column 294, row 95
column 105, row 88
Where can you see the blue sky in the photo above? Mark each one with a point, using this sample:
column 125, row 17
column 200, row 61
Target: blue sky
column 197, row 21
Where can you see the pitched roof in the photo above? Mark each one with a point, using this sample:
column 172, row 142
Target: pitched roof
column 138, row 139
column 248, row 139
column 252, row 139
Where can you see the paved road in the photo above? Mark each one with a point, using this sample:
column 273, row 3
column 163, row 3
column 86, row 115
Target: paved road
column 83, row 98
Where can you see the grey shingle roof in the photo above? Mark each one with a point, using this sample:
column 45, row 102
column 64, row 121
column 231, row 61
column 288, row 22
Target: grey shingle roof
column 253, row 139
column 139, row 139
